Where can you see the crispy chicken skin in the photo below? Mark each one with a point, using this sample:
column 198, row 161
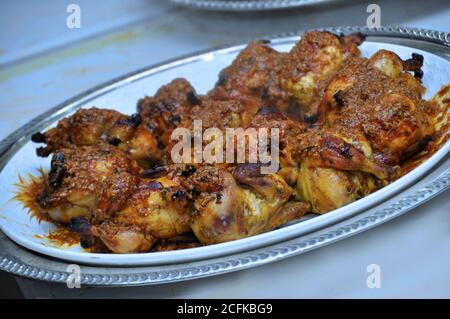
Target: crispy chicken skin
column 89, row 181
column 240, row 203
column 346, row 124
column 380, row 100
column 144, row 135
column 161, row 114
column 313, row 159
column 311, row 64
column 253, row 78
column 329, row 157
column 85, row 127
column 104, row 185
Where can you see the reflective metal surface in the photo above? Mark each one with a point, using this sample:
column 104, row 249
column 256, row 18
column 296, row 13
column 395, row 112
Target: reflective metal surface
column 246, row 5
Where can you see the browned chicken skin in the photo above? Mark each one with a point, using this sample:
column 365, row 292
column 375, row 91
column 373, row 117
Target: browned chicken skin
column 161, row 114
column 85, row 127
column 293, row 81
column 241, row 203
column 345, row 124
column 329, row 157
column 252, row 78
column 377, row 98
column 157, row 209
column 103, row 185
column 313, row 158
column 311, row 64
column 144, row 135
column 89, row 181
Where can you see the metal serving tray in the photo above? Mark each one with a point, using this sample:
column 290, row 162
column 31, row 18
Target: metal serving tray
column 138, row 269
column 246, row 5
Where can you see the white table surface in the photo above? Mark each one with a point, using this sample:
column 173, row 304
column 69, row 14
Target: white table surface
column 42, row 63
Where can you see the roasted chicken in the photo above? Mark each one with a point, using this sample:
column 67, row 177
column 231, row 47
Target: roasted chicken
column 345, row 126
column 240, row 203
column 89, row 181
column 144, row 135
column 380, row 100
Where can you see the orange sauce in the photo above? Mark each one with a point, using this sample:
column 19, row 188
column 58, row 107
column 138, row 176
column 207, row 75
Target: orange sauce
column 27, row 191
column 441, row 120
column 63, row 236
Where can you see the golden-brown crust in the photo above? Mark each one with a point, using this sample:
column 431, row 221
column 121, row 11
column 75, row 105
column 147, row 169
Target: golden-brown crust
column 164, row 111
column 311, row 64
column 85, row 127
column 253, row 78
column 378, row 98
column 95, row 179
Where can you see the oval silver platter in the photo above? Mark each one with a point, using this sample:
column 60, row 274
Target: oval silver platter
column 17, row 156
column 246, row 5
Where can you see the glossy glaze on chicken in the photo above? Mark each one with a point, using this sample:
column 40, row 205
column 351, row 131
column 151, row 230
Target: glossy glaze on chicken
column 346, row 124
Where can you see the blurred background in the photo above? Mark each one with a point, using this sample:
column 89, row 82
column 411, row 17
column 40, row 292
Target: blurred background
column 44, row 62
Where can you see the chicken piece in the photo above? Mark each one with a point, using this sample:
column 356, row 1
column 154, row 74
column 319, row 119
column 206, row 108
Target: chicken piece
column 163, row 112
column 339, row 158
column 90, row 127
column 159, row 115
column 341, row 149
column 220, row 114
column 253, row 78
column 144, row 136
column 159, row 207
column 397, row 129
column 240, row 204
column 305, row 151
column 99, row 191
column 123, row 239
column 101, row 126
column 364, row 80
column 311, row 64
column 438, row 110
column 289, row 131
column 85, row 127
column 90, row 181
column 381, row 100
column 312, row 159
column 314, row 186
column 293, row 82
